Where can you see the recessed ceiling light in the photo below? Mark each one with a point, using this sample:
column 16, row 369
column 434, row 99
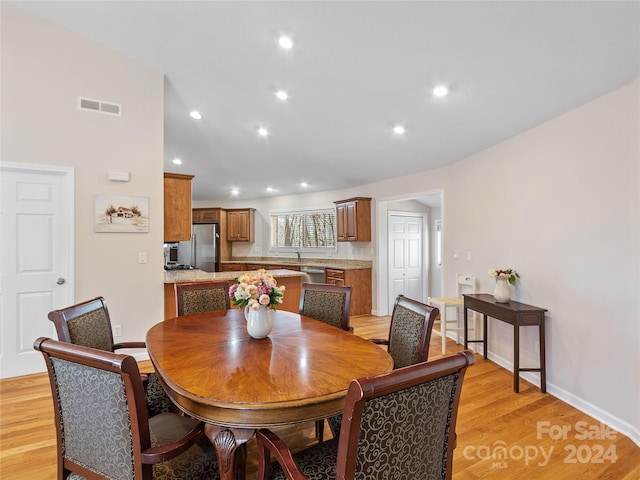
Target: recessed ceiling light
column 269, row 189
column 282, row 95
column 263, row 132
column 304, row 184
column 195, row 114
column 399, row 130
column 285, row 41
column 177, row 161
column 440, row 90
column 235, row 192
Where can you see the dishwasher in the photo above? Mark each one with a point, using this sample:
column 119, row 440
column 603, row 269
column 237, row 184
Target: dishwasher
column 314, row 274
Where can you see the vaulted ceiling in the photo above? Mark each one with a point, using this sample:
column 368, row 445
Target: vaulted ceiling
column 355, row 71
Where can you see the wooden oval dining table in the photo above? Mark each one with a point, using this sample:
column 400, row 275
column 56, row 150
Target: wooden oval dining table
column 214, row 371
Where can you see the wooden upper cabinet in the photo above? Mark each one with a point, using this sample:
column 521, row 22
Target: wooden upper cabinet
column 206, row 215
column 241, row 224
column 353, row 217
column 177, row 207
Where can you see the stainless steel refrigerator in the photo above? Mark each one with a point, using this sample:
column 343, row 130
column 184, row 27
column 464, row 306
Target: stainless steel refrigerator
column 202, row 251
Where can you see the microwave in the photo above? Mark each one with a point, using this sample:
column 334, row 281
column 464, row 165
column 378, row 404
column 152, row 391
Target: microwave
column 172, row 255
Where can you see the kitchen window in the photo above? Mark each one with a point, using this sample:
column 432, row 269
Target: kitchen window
column 304, row 229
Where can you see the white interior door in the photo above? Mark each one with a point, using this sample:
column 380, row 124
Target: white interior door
column 406, row 256
column 36, row 264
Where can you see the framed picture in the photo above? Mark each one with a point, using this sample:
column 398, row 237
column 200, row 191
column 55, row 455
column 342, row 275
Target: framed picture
column 121, row 213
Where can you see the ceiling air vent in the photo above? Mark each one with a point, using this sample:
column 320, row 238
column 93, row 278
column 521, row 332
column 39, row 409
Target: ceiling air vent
column 99, row 106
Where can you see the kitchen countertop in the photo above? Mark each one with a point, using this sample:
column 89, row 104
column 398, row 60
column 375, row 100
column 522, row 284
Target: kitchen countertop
column 184, row 276
column 341, row 264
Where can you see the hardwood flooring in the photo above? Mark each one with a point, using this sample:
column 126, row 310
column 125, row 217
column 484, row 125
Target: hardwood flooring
column 501, row 434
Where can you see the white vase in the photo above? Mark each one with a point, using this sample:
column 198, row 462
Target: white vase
column 502, row 293
column 258, row 321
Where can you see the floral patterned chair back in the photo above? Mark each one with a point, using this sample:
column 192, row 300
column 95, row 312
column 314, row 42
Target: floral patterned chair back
column 326, row 303
column 103, row 430
column 396, row 425
column 198, row 297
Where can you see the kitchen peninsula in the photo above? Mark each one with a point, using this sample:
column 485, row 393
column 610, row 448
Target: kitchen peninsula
column 356, row 273
column 291, row 279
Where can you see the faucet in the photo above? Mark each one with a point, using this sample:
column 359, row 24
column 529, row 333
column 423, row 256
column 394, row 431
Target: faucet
column 298, row 254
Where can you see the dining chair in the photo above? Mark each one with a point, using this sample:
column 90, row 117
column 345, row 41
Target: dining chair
column 464, row 283
column 329, row 304
column 197, row 297
column 103, row 430
column 409, row 331
column 408, row 342
column 399, row 424
column 88, row 324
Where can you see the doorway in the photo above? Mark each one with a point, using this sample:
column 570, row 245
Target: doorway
column 406, row 255
column 430, row 204
column 36, row 265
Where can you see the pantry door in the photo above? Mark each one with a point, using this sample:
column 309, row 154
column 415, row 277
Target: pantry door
column 36, row 264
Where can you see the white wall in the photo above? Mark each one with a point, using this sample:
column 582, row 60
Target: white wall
column 559, row 203
column 44, row 70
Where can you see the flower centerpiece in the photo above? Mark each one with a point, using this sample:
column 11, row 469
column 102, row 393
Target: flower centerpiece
column 502, row 294
column 510, row 274
column 258, row 293
column 254, row 290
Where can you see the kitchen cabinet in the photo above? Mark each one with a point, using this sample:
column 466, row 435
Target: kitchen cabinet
column 206, row 215
column 241, row 224
column 268, row 266
column 353, row 217
column 177, row 207
column 360, row 281
column 335, row 277
column 233, row 267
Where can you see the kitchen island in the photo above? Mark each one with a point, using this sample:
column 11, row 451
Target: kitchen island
column 292, row 281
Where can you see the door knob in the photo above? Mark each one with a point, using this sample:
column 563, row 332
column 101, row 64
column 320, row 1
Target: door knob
column 60, row 281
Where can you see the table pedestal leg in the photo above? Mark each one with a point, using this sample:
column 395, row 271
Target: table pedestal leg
column 231, row 459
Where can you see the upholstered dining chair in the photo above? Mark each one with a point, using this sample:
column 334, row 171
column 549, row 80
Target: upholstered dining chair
column 89, row 324
column 197, row 297
column 103, row 430
column 409, row 331
column 408, row 341
column 399, row 424
column 329, row 304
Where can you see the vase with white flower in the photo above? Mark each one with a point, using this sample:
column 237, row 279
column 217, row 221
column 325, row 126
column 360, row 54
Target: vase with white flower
column 504, row 278
column 258, row 293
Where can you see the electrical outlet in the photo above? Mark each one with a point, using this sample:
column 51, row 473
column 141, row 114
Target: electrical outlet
column 117, row 330
column 142, row 257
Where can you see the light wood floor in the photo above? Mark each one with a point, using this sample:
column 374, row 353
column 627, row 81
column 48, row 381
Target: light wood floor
column 501, row 434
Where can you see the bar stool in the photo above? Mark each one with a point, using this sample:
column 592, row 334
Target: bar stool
column 466, row 282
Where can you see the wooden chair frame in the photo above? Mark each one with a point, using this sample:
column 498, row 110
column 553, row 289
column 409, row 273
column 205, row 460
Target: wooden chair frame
column 127, row 367
column 430, row 313
column 326, row 287
column 359, row 392
column 180, row 288
column 61, row 316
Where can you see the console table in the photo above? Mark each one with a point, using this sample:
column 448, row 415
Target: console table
column 517, row 314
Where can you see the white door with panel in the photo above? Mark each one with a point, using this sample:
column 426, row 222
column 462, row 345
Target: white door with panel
column 406, row 256
column 36, row 264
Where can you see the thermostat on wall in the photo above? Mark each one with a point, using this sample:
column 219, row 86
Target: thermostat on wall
column 118, row 176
